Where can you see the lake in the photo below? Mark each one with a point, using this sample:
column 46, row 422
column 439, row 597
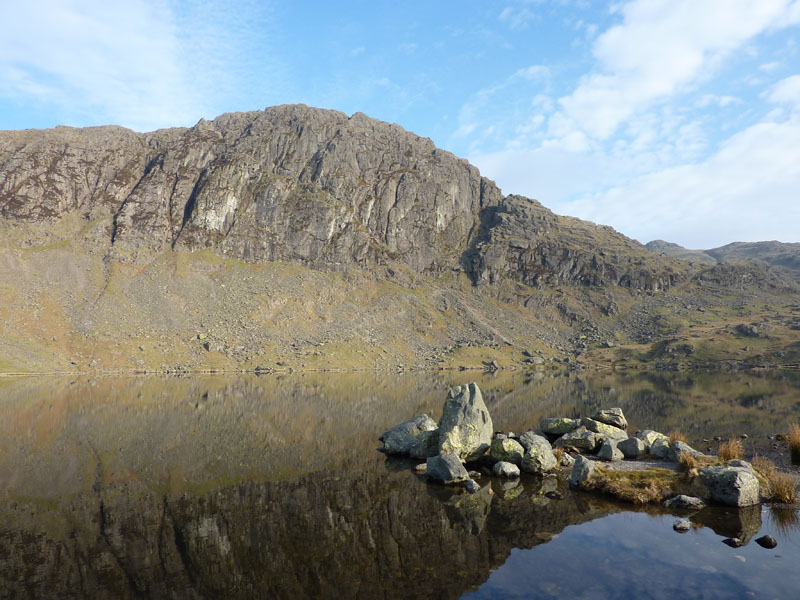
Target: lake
column 270, row 486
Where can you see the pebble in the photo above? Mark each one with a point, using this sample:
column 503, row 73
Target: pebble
column 767, row 541
column 682, row 525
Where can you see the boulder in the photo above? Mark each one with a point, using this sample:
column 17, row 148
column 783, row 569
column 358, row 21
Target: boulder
column 684, row 502
column 539, row 457
column 400, row 438
column 611, row 416
column 632, row 448
column 506, row 469
column 661, row 447
column 507, row 450
column 426, row 444
column 529, row 437
column 678, row 447
column 580, row 439
column 447, row 468
column 559, row 426
column 465, row 427
column 607, row 431
column 581, row 471
column 682, row 525
column 649, row 437
column 732, row 486
column 609, row 451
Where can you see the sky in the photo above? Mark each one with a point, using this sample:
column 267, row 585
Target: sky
column 666, row 119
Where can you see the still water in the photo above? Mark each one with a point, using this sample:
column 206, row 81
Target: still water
column 270, row 487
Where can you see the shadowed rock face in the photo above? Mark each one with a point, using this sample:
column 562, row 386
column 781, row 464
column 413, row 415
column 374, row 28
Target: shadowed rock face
column 310, row 186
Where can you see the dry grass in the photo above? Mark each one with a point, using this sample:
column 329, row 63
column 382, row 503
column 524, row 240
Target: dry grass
column 764, row 466
column 636, row 487
column 558, row 453
column 688, row 462
column 732, row 449
column 794, row 443
column 677, row 436
column 782, row 488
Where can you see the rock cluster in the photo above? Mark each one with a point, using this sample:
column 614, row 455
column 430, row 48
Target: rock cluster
column 465, row 434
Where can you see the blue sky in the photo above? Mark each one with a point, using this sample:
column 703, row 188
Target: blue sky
column 671, row 119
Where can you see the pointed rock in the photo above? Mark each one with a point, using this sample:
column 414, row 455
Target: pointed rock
column 465, row 427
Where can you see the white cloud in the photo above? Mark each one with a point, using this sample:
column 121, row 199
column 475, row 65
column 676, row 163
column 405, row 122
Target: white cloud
column 137, row 63
column 746, row 191
column 786, row 91
column 661, row 48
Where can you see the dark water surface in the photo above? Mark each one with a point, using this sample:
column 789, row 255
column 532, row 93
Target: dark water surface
column 270, row 487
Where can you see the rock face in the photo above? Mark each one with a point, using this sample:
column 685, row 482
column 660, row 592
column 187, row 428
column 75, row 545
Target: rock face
column 466, row 426
column 732, row 486
column 401, row 438
column 447, row 468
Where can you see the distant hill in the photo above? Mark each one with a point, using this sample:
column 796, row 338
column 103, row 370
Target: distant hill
column 780, row 257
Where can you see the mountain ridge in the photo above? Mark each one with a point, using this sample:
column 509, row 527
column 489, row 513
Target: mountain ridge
column 255, row 238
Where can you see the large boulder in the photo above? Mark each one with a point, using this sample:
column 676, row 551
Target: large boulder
column 447, row 468
column 426, row 444
column 632, row 448
column 465, row 427
column 401, row 438
column 539, row 457
column 581, row 471
column 611, row 416
column 608, row 432
column 506, row 449
column 559, row 426
column 732, row 486
column 580, row 439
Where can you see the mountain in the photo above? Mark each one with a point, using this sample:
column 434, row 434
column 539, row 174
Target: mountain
column 303, row 238
column 780, row 257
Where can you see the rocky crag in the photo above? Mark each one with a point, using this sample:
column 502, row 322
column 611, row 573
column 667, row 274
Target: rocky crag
column 304, row 238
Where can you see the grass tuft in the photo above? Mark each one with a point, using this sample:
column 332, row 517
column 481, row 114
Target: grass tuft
column 783, row 488
column 732, row 449
column 764, row 466
column 688, row 462
column 558, row 453
column 794, row 443
column 677, row 436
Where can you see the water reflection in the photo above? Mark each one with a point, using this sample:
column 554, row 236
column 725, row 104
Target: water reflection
column 271, row 486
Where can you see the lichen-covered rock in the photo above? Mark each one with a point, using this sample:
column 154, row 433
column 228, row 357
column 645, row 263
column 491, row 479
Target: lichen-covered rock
column 580, row 439
column 661, row 447
column 611, row 416
column 607, row 431
column 506, row 449
column 684, row 502
column 505, row 469
column 539, row 457
column 581, row 471
column 678, row 447
column 447, row 468
column 732, row 486
column 609, row 451
column 649, row 437
column 465, row 427
column 632, row 448
column 400, row 438
column 559, row 426
column 426, row 444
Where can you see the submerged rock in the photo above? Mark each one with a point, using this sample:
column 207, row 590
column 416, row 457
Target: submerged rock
column 506, row 469
column 732, row 486
column 447, row 468
column 580, row 439
column 506, row 449
column 682, row 525
column 466, row 426
column 767, row 541
column 632, row 448
column 611, row 416
column 400, row 438
column 539, row 457
column 559, row 426
column 684, row 502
